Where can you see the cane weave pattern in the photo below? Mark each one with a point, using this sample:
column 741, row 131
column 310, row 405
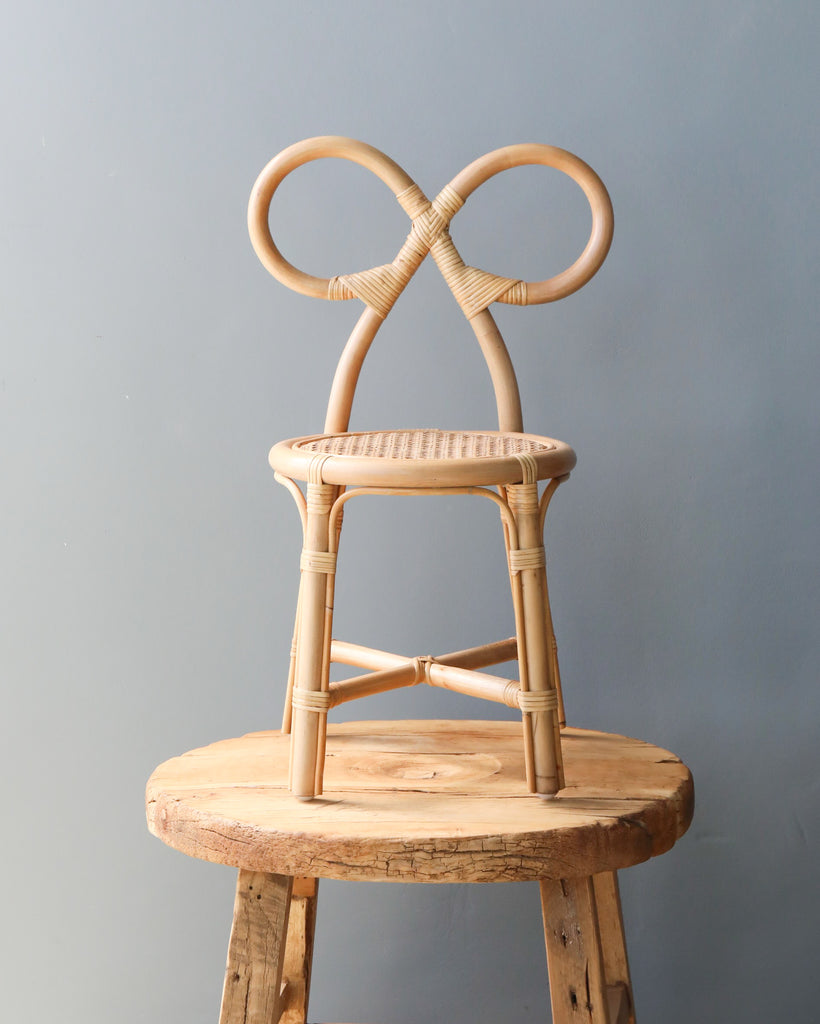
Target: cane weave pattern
column 424, row 444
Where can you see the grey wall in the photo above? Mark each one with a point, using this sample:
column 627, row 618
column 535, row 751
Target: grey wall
column 149, row 561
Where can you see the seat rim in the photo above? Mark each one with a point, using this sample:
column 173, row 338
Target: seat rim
column 287, row 458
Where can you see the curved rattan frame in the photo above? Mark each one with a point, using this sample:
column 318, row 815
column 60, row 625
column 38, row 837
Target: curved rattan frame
column 474, row 289
column 537, row 693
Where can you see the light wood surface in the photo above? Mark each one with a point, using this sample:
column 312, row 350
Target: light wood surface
column 423, row 802
column 613, row 946
column 578, row 988
column 299, row 951
column 251, row 993
column 586, row 954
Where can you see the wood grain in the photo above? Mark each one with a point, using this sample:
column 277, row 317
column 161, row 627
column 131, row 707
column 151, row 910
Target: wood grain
column 613, row 945
column 423, row 802
column 251, row 993
column 299, row 951
column 578, row 989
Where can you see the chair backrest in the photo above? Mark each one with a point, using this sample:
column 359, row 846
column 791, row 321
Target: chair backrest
column 475, row 290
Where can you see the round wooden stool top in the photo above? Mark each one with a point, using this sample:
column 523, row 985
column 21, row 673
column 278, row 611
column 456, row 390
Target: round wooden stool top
column 423, row 801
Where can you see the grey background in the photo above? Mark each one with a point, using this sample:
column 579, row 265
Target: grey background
column 150, row 562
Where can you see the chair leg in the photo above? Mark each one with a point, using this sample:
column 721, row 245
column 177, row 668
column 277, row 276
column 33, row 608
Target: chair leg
column 309, row 693
column 299, row 951
column 253, row 975
column 586, row 954
column 535, row 647
column 555, row 671
column 287, row 714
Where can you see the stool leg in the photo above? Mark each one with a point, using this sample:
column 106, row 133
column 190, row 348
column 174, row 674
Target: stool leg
column 613, row 943
column 586, row 954
column 253, row 975
column 574, row 957
column 313, row 633
column 299, row 951
column 533, row 629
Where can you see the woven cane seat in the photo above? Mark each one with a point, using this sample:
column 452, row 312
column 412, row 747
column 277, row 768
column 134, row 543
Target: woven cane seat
column 422, row 458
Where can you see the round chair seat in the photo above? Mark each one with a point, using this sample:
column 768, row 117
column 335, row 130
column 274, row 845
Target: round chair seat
column 422, row 458
column 423, row 801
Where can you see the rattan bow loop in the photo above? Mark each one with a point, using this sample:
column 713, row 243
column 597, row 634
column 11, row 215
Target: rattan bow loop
column 475, row 290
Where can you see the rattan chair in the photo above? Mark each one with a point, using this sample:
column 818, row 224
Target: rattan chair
column 424, row 801
column 337, row 465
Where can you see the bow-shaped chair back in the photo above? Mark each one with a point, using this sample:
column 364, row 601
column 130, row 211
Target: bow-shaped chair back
column 474, row 289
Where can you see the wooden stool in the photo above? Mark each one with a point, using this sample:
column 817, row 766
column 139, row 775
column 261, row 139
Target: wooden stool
column 402, row 803
column 424, row 801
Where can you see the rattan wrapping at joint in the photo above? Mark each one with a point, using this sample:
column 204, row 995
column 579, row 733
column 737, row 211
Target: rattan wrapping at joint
column 527, row 558
column 318, row 561
column 537, row 700
column 311, row 700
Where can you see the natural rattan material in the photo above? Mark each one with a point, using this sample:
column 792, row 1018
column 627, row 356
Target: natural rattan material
column 504, row 466
column 473, row 289
column 425, row 458
column 424, row 444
